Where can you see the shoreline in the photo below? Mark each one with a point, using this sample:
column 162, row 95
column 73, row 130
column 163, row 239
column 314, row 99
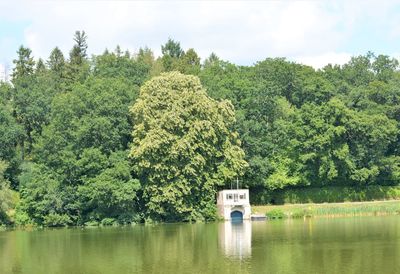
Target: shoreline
column 329, row 210
column 290, row 211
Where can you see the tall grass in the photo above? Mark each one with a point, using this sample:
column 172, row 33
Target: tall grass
column 333, row 210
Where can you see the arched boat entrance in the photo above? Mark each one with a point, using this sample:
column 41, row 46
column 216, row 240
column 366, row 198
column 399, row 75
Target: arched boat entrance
column 236, row 216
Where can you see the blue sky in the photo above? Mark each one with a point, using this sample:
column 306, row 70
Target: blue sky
column 311, row 32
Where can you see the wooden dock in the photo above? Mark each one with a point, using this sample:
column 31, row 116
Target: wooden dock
column 258, row 217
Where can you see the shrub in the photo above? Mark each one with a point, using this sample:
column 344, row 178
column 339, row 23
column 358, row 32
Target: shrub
column 57, row 220
column 108, row 222
column 22, row 218
column 129, row 218
column 298, row 214
column 92, row 223
column 275, row 214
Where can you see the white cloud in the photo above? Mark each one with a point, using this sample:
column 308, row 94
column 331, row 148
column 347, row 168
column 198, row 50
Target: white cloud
column 3, row 73
column 319, row 61
column 242, row 32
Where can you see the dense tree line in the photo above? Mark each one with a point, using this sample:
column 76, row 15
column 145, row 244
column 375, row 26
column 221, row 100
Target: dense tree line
column 126, row 137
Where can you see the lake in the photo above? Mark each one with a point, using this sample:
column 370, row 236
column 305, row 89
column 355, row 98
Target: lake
column 338, row 245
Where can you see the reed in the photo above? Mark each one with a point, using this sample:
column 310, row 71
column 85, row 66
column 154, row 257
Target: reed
column 332, row 210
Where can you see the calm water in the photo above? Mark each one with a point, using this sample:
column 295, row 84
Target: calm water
column 345, row 245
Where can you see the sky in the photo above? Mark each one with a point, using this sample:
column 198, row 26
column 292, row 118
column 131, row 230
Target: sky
column 310, row 32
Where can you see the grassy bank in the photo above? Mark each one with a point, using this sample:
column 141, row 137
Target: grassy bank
column 329, row 210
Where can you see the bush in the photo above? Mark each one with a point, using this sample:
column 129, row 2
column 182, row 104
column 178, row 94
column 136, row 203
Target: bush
column 7, row 196
column 21, row 218
column 298, row 214
column 108, row 222
column 129, row 218
column 57, row 220
column 275, row 214
column 3, row 218
column 302, row 213
column 92, row 223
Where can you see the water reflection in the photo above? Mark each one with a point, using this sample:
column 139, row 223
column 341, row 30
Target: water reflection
column 235, row 239
column 365, row 245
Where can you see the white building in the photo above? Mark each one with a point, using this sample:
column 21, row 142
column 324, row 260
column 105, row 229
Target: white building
column 235, row 239
column 234, row 204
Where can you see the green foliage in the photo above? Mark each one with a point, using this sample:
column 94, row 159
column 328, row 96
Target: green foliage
column 57, row 220
column 183, row 147
column 326, row 194
column 145, row 56
column 385, row 67
column 113, row 65
column 275, row 214
column 11, row 133
column 31, row 107
column 108, row 222
column 82, row 169
column 301, row 213
column 66, row 132
column 88, row 178
column 172, row 49
column 57, row 70
column 78, row 53
column 24, row 65
column 22, row 218
column 331, row 144
column 332, row 210
column 111, row 193
column 92, row 223
column 6, row 196
column 56, row 61
column 175, row 59
column 40, row 67
column 93, row 115
column 40, row 194
column 78, row 67
column 189, row 63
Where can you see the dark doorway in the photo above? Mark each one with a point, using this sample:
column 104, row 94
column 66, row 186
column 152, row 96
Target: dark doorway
column 236, row 216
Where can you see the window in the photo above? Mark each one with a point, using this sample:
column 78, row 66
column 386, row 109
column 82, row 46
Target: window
column 242, row 196
column 229, row 196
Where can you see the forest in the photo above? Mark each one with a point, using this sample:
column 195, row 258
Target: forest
column 126, row 137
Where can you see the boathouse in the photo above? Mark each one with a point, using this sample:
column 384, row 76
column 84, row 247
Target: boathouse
column 234, row 204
